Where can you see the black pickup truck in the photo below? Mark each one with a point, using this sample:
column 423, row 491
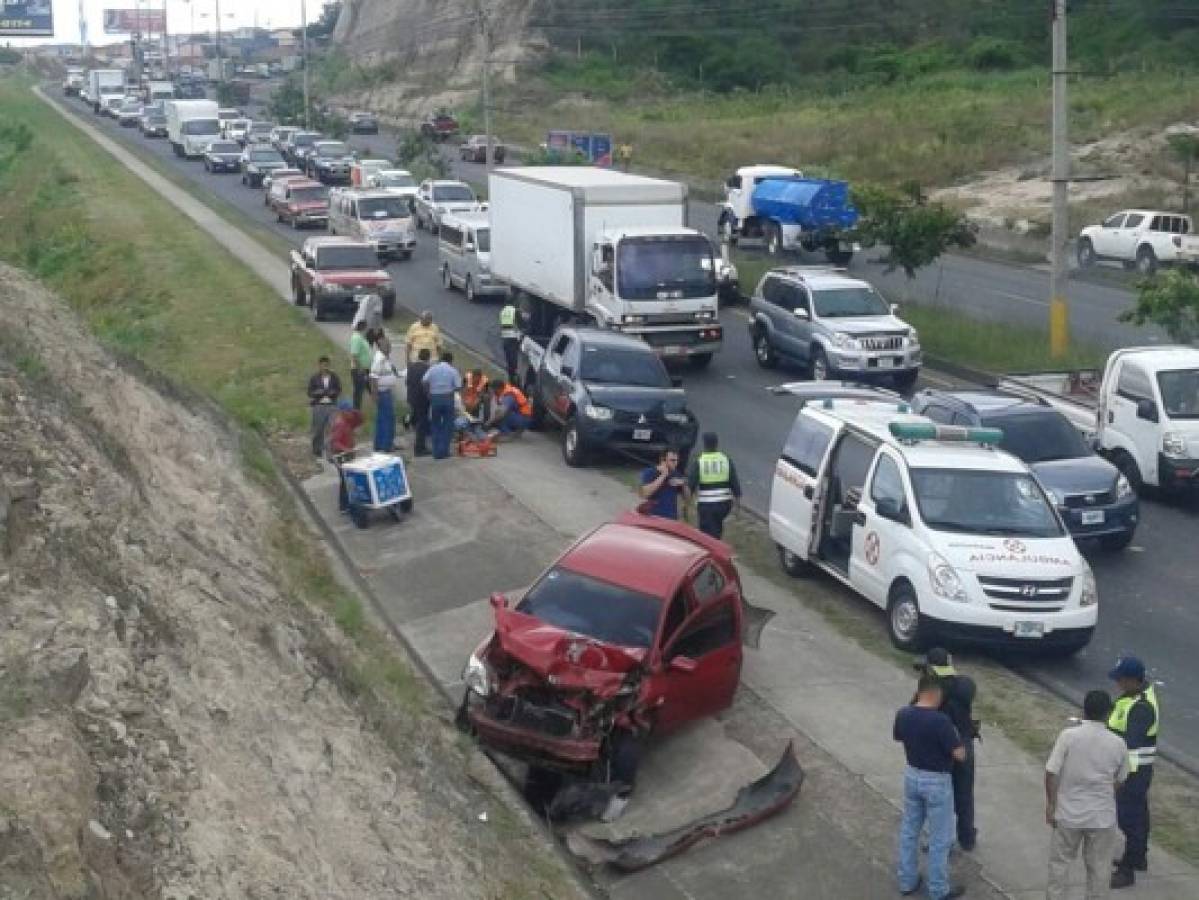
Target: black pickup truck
column 607, row 391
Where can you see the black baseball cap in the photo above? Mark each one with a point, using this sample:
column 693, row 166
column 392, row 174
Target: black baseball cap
column 938, row 661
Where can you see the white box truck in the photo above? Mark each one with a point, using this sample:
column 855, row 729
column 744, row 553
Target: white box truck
column 158, row 90
column 592, row 245
column 103, row 84
column 191, row 126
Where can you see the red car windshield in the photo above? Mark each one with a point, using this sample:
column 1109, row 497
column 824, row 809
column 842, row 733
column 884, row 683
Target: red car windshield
column 592, row 608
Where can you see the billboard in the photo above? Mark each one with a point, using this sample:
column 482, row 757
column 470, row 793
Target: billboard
column 26, row 18
column 134, row 21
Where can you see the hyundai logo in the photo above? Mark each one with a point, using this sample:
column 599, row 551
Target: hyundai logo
column 1028, row 590
column 642, row 420
column 1091, row 499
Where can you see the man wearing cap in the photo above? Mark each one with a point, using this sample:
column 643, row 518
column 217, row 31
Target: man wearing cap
column 1135, row 718
column 957, row 693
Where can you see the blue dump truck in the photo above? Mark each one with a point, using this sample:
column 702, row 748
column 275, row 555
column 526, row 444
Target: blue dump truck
column 789, row 212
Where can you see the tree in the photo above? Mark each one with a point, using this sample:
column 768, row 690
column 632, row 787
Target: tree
column 323, row 26
column 1185, row 148
column 1170, row 301
column 914, row 231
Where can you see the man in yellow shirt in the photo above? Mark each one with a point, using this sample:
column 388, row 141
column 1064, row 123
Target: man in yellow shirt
column 423, row 335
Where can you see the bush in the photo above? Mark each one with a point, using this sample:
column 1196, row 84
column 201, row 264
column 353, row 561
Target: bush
column 993, row 55
column 422, row 157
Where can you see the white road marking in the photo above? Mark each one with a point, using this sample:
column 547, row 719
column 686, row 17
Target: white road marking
column 1022, row 298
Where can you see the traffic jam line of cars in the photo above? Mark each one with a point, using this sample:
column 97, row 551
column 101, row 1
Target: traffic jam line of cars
column 959, row 514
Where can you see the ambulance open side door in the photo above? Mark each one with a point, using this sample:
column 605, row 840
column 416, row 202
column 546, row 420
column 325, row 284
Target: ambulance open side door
column 800, row 476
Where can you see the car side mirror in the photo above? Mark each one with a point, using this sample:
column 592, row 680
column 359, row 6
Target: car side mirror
column 889, row 508
column 683, row 664
column 801, row 313
column 498, row 601
column 1147, row 410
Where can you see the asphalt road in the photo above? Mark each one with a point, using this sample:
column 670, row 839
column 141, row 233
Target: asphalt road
column 1146, row 593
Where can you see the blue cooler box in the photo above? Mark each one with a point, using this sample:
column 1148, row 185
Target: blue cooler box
column 377, row 481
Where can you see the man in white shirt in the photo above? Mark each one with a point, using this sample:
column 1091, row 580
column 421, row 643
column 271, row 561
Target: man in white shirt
column 1081, row 777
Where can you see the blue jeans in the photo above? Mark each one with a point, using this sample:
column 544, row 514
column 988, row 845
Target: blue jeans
column 385, row 422
column 927, row 797
column 513, row 422
column 441, row 420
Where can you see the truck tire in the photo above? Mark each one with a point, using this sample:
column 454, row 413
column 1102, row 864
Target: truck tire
column 573, row 450
column 763, row 352
column 1086, row 254
column 1128, row 467
column 446, row 281
column 904, row 621
column 469, row 290
column 1146, row 261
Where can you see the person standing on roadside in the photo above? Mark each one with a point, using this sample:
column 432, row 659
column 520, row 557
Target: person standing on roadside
column 383, row 381
column 1135, row 716
column 931, row 745
column 418, row 402
column 361, row 357
column 324, row 388
column 662, row 487
column 422, row 335
column 441, row 382
column 957, row 702
column 1086, row 768
column 712, row 480
column 510, row 339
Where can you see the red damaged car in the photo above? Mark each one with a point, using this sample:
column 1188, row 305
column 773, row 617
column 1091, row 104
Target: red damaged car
column 636, row 629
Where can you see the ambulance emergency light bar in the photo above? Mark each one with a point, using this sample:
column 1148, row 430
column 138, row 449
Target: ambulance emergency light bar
column 927, row 431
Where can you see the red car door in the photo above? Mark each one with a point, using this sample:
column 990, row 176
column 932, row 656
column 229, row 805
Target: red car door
column 698, row 666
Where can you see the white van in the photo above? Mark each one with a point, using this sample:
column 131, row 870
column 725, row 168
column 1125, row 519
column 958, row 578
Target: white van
column 464, row 255
column 953, row 537
column 375, row 217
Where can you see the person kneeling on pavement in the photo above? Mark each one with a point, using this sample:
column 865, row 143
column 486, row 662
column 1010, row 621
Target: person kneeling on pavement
column 342, row 442
column 466, row 425
column 511, row 412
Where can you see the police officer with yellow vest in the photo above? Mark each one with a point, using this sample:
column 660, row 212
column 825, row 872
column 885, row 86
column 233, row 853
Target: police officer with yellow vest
column 1135, row 718
column 510, row 338
column 714, row 485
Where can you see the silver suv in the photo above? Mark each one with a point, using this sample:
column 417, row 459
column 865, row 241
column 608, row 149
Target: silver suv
column 835, row 326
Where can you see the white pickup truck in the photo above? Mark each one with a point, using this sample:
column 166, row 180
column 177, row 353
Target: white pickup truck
column 1141, row 239
column 1141, row 411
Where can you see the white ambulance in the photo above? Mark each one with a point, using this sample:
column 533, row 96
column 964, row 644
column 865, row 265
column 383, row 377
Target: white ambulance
column 952, row 536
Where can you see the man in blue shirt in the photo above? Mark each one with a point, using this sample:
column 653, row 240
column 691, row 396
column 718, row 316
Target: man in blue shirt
column 662, row 486
column 931, row 745
column 441, row 381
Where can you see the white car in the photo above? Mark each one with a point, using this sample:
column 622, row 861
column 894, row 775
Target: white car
column 395, row 181
column 952, row 536
column 436, row 198
column 1141, row 239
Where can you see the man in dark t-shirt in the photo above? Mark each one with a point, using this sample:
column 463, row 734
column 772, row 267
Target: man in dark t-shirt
column 931, row 745
column 662, row 486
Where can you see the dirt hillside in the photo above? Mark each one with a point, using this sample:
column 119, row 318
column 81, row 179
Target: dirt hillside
column 172, row 724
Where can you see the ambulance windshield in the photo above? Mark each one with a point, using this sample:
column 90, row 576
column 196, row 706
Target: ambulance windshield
column 968, row 501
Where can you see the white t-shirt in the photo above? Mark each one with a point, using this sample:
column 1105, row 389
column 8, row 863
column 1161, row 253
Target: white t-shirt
column 383, row 371
column 1088, row 761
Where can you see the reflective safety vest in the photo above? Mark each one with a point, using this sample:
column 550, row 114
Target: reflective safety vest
column 1118, row 722
column 522, row 402
column 508, row 322
column 715, row 472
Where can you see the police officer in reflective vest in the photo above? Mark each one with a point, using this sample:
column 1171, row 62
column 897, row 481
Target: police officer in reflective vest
column 713, row 482
column 510, row 338
column 1135, row 718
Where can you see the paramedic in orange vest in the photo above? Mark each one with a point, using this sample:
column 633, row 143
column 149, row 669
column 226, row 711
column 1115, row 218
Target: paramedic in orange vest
column 511, row 412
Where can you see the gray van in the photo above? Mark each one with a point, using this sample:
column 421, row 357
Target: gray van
column 376, row 217
column 464, row 255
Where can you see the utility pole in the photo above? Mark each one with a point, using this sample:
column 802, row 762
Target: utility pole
column 484, row 27
column 220, row 58
column 304, row 55
column 1059, row 308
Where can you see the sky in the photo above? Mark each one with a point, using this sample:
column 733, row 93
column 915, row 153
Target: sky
column 234, row 14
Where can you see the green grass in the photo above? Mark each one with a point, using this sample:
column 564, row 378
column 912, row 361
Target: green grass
column 934, row 129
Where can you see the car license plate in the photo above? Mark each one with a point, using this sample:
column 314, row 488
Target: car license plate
column 673, row 351
column 1029, row 629
column 886, row 362
column 642, row 434
column 1092, row 517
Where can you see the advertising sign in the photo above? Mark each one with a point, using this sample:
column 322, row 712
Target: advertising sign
column 134, row 21
column 26, row 18
column 595, row 148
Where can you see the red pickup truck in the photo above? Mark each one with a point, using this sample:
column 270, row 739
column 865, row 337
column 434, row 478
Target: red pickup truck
column 635, row 630
column 330, row 274
column 440, row 126
column 299, row 201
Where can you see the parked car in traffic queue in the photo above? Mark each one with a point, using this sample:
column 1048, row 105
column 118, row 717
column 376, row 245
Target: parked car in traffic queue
column 464, row 256
column 299, row 145
column 331, row 274
column 436, row 198
column 329, row 162
column 474, row 149
column 257, row 160
column 153, row 125
column 373, row 217
column 299, row 202
column 269, row 178
column 222, row 156
column 1094, row 500
column 956, row 539
column 363, row 123
column 128, row 113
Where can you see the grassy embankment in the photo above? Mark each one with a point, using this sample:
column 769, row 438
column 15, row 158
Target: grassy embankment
column 155, row 287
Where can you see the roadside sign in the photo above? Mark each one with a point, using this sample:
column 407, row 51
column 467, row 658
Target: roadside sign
column 26, row 18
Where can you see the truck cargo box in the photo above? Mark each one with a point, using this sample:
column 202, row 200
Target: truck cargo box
column 814, row 204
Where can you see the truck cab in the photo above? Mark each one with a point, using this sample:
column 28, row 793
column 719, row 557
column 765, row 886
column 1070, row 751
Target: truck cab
column 739, row 192
column 953, row 537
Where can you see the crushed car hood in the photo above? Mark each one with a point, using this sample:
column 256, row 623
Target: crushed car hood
column 565, row 660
